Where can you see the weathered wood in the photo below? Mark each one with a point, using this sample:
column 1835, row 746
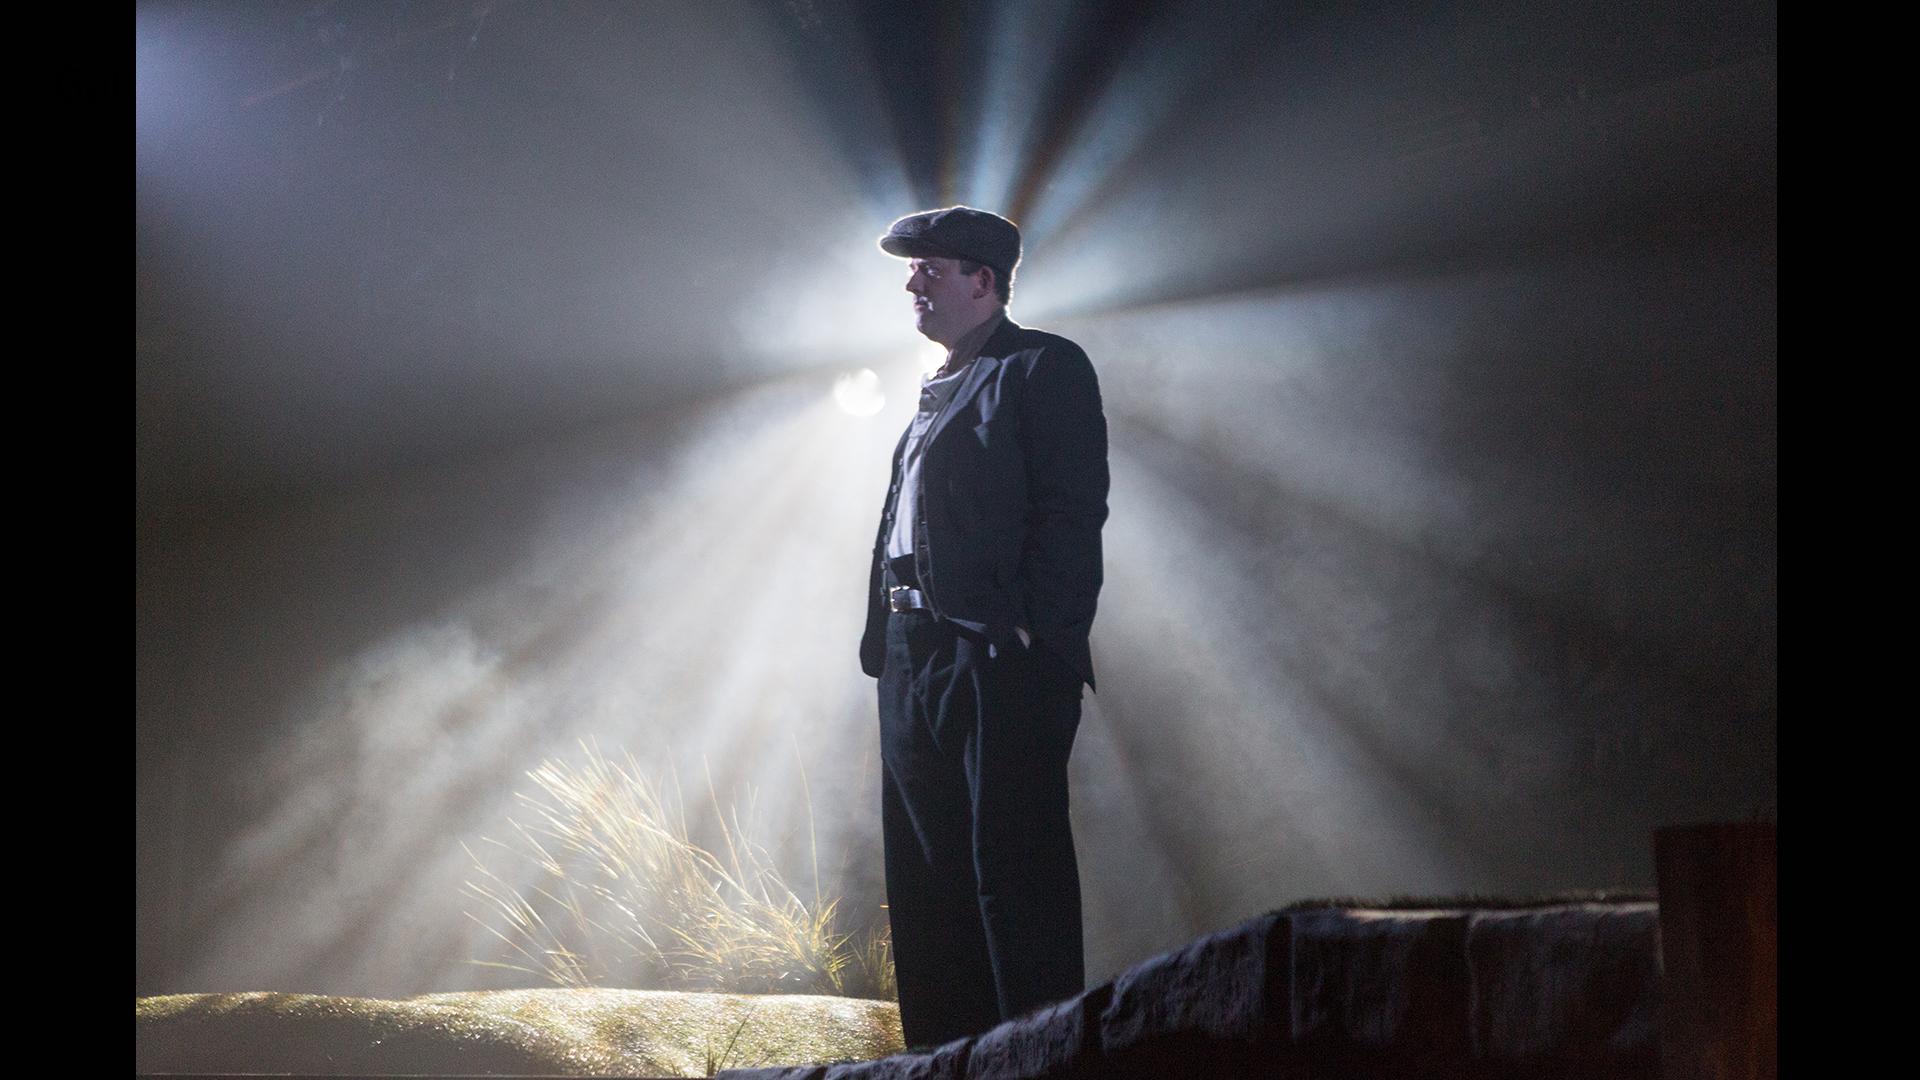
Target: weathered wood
column 1719, row 944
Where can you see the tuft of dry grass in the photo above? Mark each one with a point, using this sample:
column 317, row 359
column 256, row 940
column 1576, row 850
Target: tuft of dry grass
column 622, row 896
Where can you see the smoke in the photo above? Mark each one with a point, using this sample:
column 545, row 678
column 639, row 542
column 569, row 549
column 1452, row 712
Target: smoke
column 484, row 405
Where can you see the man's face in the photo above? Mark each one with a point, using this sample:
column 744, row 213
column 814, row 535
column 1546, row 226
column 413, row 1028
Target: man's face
column 944, row 304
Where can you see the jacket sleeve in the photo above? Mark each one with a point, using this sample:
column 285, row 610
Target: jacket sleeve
column 1065, row 436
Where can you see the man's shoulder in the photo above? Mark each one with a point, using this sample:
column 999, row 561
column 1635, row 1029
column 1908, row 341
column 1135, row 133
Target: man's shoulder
column 1033, row 345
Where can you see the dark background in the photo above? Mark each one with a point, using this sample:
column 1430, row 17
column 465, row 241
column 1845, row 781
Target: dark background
column 484, row 359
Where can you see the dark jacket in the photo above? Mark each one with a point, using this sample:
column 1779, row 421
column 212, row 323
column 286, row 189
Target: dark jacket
column 1014, row 491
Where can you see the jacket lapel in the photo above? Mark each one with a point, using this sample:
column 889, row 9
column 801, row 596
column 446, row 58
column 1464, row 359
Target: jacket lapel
column 985, row 363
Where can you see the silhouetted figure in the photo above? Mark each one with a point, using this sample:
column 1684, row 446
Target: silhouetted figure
column 986, row 571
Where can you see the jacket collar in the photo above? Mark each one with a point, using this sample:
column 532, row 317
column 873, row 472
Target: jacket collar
column 985, row 363
column 1000, row 342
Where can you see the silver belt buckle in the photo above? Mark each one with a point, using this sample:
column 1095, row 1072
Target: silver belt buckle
column 897, row 598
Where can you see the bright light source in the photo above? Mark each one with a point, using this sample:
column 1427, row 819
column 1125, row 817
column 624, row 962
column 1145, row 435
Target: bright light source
column 858, row 393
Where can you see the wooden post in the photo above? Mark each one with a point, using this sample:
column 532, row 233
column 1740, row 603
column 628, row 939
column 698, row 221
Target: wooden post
column 1719, row 945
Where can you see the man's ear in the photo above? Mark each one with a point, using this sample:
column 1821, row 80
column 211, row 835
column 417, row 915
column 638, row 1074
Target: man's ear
column 982, row 282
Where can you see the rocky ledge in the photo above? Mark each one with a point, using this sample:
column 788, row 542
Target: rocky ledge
column 1503, row 990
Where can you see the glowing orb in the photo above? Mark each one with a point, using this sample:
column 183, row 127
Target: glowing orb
column 858, row 393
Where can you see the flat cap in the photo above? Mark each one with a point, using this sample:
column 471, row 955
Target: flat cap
column 958, row 232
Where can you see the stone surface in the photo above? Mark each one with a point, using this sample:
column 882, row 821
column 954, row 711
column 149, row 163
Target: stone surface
column 593, row 1032
column 1062, row 1040
column 1374, row 989
column 1570, row 991
column 1218, row 1004
column 946, row 1062
column 1509, row 991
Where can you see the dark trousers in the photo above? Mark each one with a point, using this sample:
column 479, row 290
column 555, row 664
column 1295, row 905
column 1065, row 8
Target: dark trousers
column 982, row 887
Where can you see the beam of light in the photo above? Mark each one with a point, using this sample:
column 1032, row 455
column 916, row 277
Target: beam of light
column 680, row 603
column 1027, row 39
column 1313, row 554
column 1313, row 804
column 1177, row 46
column 448, row 261
column 1262, row 189
column 1271, row 636
column 1312, row 386
column 1350, row 573
column 685, row 607
column 848, row 300
column 858, row 393
column 1292, row 576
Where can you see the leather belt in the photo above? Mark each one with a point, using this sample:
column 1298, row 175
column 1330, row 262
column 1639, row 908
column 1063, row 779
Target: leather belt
column 901, row 598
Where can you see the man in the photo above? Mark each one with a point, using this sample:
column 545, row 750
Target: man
column 986, row 570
